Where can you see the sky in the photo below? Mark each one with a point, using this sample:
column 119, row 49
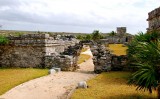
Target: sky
column 81, row 16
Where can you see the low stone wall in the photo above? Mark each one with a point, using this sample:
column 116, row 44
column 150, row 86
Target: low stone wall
column 119, row 62
column 31, row 50
column 65, row 62
column 24, row 56
column 105, row 61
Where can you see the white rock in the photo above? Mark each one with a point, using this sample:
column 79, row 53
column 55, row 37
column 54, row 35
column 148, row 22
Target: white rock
column 52, row 71
column 56, row 69
column 82, row 84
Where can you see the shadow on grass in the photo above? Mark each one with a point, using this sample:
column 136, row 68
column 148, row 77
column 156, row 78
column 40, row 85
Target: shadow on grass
column 134, row 96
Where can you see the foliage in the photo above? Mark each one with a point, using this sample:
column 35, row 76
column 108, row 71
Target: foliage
column 96, row 35
column 111, row 85
column 134, row 46
column 144, row 54
column 80, row 37
column 88, row 37
column 112, row 33
column 10, row 78
column 4, row 40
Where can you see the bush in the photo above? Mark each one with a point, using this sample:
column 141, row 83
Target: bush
column 4, row 40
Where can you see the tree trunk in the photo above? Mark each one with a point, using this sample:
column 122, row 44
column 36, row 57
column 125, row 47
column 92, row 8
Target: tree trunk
column 158, row 91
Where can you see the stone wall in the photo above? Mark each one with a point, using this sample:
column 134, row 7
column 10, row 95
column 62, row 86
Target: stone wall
column 154, row 20
column 105, row 61
column 101, row 59
column 119, row 62
column 65, row 62
column 21, row 56
column 31, row 50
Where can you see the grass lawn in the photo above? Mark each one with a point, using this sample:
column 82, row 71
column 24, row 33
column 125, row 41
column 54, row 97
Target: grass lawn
column 111, row 85
column 10, row 78
column 82, row 58
column 118, row 49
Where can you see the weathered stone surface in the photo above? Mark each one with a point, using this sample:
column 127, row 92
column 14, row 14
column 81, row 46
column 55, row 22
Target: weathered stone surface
column 101, row 59
column 32, row 50
column 119, row 62
column 154, row 20
column 121, row 31
column 14, row 56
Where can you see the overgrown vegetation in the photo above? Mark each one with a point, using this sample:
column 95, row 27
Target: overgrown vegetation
column 10, row 78
column 111, row 85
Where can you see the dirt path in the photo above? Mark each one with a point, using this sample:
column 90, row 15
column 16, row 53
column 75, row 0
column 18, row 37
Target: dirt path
column 53, row 86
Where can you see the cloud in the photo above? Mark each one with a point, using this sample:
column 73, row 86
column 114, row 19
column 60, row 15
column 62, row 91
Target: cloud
column 76, row 15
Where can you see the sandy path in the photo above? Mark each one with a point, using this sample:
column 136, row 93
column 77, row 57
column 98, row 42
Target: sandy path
column 53, row 86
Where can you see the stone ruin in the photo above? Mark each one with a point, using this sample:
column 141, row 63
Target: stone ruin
column 104, row 60
column 154, row 20
column 121, row 31
column 44, row 51
column 37, row 50
column 119, row 62
column 66, row 60
column 120, row 37
column 101, row 58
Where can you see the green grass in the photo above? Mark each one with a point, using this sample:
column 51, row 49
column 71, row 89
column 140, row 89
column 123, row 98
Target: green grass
column 84, row 49
column 83, row 58
column 10, row 78
column 118, row 49
column 111, row 85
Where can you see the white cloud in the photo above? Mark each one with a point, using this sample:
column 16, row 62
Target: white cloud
column 77, row 15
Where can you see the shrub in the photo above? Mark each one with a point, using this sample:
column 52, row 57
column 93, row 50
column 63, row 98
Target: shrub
column 4, row 40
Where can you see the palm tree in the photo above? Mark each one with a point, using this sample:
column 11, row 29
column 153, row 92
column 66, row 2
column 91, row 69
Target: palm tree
column 146, row 57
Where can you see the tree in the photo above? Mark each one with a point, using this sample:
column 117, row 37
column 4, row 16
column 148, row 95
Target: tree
column 96, row 35
column 88, row 37
column 146, row 56
column 112, row 33
column 80, row 37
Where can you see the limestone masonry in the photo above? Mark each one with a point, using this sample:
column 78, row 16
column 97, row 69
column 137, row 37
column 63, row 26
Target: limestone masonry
column 154, row 20
column 31, row 50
